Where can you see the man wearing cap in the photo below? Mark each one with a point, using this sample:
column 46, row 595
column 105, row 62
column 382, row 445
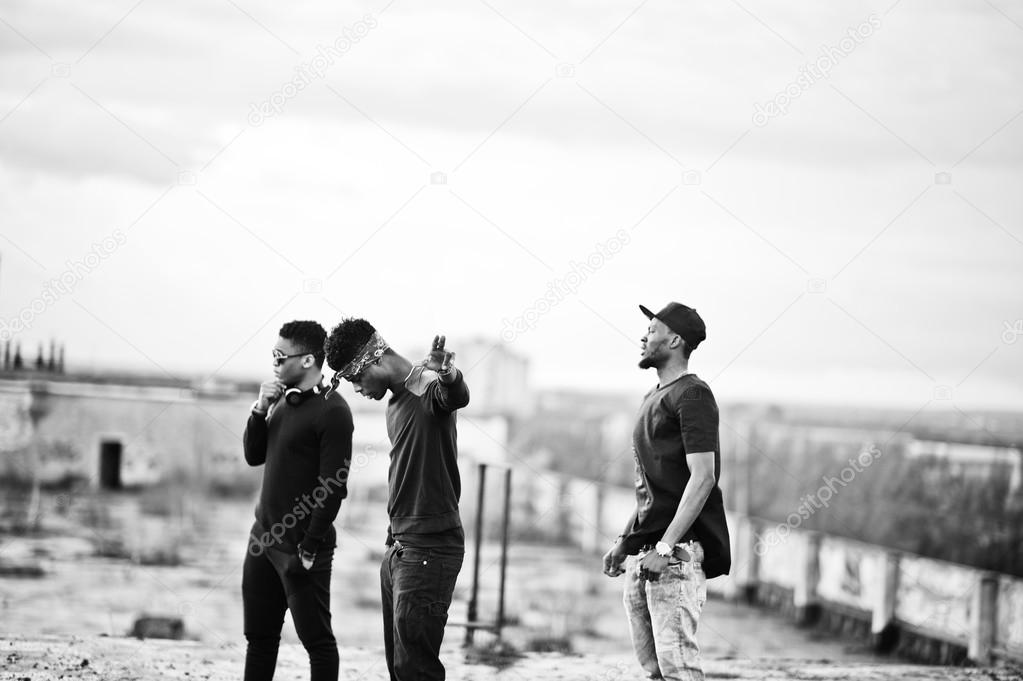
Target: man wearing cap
column 426, row 544
column 677, row 537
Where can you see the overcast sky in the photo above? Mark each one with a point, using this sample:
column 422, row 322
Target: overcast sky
column 860, row 242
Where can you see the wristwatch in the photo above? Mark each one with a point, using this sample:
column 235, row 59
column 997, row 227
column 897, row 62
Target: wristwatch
column 663, row 549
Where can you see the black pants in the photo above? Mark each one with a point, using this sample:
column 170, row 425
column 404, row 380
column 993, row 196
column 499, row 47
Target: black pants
column 274, row 581
column 416, row 587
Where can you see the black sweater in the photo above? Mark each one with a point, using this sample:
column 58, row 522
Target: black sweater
column 307, row 452
column 423, row 479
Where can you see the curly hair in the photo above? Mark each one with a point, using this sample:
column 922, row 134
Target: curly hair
column 346, row 340
column 308, row 336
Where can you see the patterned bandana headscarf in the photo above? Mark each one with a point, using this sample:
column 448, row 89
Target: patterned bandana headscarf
column 372, row 351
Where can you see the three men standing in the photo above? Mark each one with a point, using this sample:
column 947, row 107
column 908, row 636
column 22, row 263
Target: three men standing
column 677, row 537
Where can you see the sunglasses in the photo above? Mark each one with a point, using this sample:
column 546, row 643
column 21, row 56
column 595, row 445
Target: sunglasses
column 280, row 358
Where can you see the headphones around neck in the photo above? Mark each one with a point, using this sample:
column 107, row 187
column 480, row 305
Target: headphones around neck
column 296, row 396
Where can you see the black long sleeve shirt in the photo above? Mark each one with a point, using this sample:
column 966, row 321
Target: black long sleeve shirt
column 306, row 451
column 424, row 484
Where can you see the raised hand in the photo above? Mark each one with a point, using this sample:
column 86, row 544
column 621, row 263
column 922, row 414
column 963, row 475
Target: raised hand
column 440, row 360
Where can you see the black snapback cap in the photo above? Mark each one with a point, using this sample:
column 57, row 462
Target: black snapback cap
column 683, row 320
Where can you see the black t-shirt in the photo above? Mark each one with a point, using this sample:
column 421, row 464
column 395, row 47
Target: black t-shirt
column 677, row 419
column 424, row 484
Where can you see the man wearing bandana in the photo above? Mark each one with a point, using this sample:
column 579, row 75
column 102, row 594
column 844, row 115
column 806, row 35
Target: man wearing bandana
column 426, row 544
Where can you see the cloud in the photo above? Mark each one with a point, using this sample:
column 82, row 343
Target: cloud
column 686, row 89
column 546, row 151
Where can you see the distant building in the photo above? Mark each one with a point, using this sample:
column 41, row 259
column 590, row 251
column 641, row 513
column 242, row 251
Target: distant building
column 588, row 403
column 498, row 377
column 977, row 462
column 117, row 431
column 121, row 431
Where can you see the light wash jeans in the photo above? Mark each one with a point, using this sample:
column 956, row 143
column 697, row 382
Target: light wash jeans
column 663, row 616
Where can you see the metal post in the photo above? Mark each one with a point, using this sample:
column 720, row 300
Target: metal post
column 478, row 540
column 505, row 520
column 804, row 596
column 883, row 629
column 984, row 619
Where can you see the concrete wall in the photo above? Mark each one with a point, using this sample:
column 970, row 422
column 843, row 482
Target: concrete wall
column 972, row 608
column 15, row 424
column 1009, row 629
column 178, row 431
column 935, row 597
column 805, row 572
column 163, row 431
column 851, row 573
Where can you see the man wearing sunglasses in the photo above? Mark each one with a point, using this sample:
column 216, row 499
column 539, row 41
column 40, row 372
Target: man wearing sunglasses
column 425, row 540
column 302, row 436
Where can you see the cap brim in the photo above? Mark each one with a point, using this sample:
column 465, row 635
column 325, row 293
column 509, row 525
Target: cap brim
column 648, row 313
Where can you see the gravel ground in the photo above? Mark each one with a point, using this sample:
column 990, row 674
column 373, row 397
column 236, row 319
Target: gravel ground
column 115, row 659
column 71, row 622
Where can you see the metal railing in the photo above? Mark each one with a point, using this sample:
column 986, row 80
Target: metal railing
column 473, row 622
